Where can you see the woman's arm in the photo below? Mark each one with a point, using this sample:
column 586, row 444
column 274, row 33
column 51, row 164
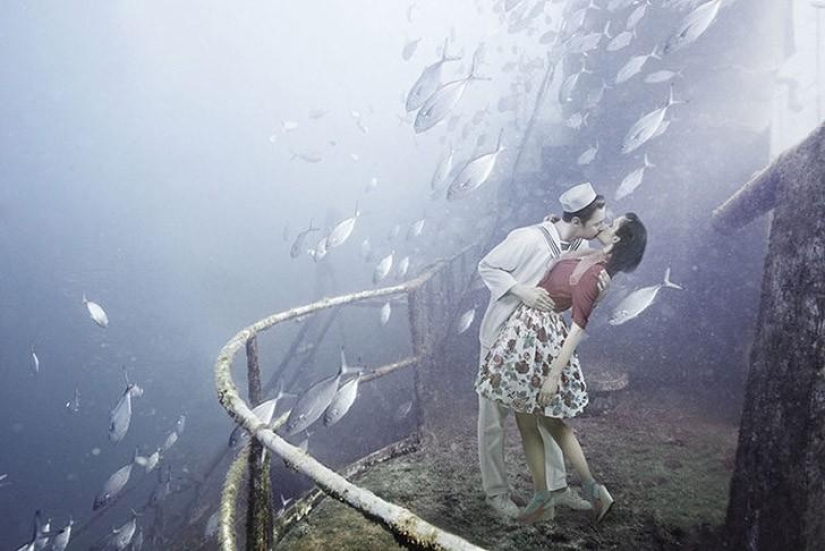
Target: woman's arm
column 551, row 384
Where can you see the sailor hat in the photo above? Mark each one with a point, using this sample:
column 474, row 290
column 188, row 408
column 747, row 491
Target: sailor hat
column 577, row 197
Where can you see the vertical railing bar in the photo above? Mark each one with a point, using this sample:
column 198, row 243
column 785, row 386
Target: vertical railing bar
column 259, row 496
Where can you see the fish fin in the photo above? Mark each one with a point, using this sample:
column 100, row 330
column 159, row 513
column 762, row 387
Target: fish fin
column 669, row 283
column 344, row 366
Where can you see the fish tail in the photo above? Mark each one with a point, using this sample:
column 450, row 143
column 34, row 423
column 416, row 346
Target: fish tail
column 669, row 283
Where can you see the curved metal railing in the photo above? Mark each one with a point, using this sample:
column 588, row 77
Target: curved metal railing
column 406, row 526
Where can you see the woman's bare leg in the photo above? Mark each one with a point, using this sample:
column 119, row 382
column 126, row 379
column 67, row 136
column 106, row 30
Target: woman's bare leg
column 533, row 448
column 569, row 444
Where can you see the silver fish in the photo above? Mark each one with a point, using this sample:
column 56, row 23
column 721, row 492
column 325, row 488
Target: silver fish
column 298, row 245
column 537, row 10
column 403, row 266
column 662, row 76
column 589, row 155
column 475, row 172
column 427, row 82
column 149, row 463
column 180, row 425
column 583, row 43
column 386, row 311
column 366, row 249
column 662, row 128
column 693, row 26
column 304, row 348
column 620, row 41
column 644, row 128
column 343, row 230
column 308, row 156
column 264, row 411
column 576, row 120
column 211, row 528
column 317, row 113
column 569, row 85
column 548, row 37
column 632, row 180
column 383, row 268
column 409, row 49
column 466, row 320
column 443, row 101
column 617, row 5
column 61, row 540
column 575, row 20
column 96, row 312
column 137, row 544
column 35, row 362
column 416, row 228
column 164, row 486
column 171, row 438
column 633, row 66
column 342, row 401
column 284, row 503
column 594, row 96
column 122, row 537
column 402, row 411
column 41, row 531
column 636, row 16
column 320, row 250
column 442, row 170
column 637, row 302
column 121, row 415
column 312, row 403
column 113, row 486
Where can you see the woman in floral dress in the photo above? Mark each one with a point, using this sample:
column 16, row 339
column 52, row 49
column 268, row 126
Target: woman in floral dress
column 532, row 368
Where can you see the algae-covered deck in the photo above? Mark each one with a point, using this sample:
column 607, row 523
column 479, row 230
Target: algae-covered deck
column 665, row 453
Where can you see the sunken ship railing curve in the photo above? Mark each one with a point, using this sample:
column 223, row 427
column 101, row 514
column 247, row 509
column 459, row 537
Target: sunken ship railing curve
column 407, row 527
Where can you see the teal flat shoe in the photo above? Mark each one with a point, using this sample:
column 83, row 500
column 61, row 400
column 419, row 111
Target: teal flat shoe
column 600, row 498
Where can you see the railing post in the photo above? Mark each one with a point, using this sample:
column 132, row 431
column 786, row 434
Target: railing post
column 259, row 509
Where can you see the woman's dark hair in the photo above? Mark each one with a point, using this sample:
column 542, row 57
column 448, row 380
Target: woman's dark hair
column 587, row 212
column 628, row 252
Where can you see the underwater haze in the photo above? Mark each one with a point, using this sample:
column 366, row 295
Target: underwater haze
column 162, row 162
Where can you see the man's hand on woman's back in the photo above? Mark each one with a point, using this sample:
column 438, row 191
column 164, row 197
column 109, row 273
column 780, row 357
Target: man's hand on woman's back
column 534, row 297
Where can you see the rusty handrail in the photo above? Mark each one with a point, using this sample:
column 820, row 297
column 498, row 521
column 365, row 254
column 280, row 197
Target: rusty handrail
column 404, row 524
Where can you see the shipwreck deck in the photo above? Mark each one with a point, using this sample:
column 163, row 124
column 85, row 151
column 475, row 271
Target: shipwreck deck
column 666, row 454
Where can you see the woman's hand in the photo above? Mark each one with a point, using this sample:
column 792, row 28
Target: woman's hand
column 549, row 389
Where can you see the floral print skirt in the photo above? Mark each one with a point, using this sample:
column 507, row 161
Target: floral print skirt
column 519, row 362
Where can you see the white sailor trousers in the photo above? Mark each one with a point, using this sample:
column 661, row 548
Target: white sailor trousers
column 492, row 417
